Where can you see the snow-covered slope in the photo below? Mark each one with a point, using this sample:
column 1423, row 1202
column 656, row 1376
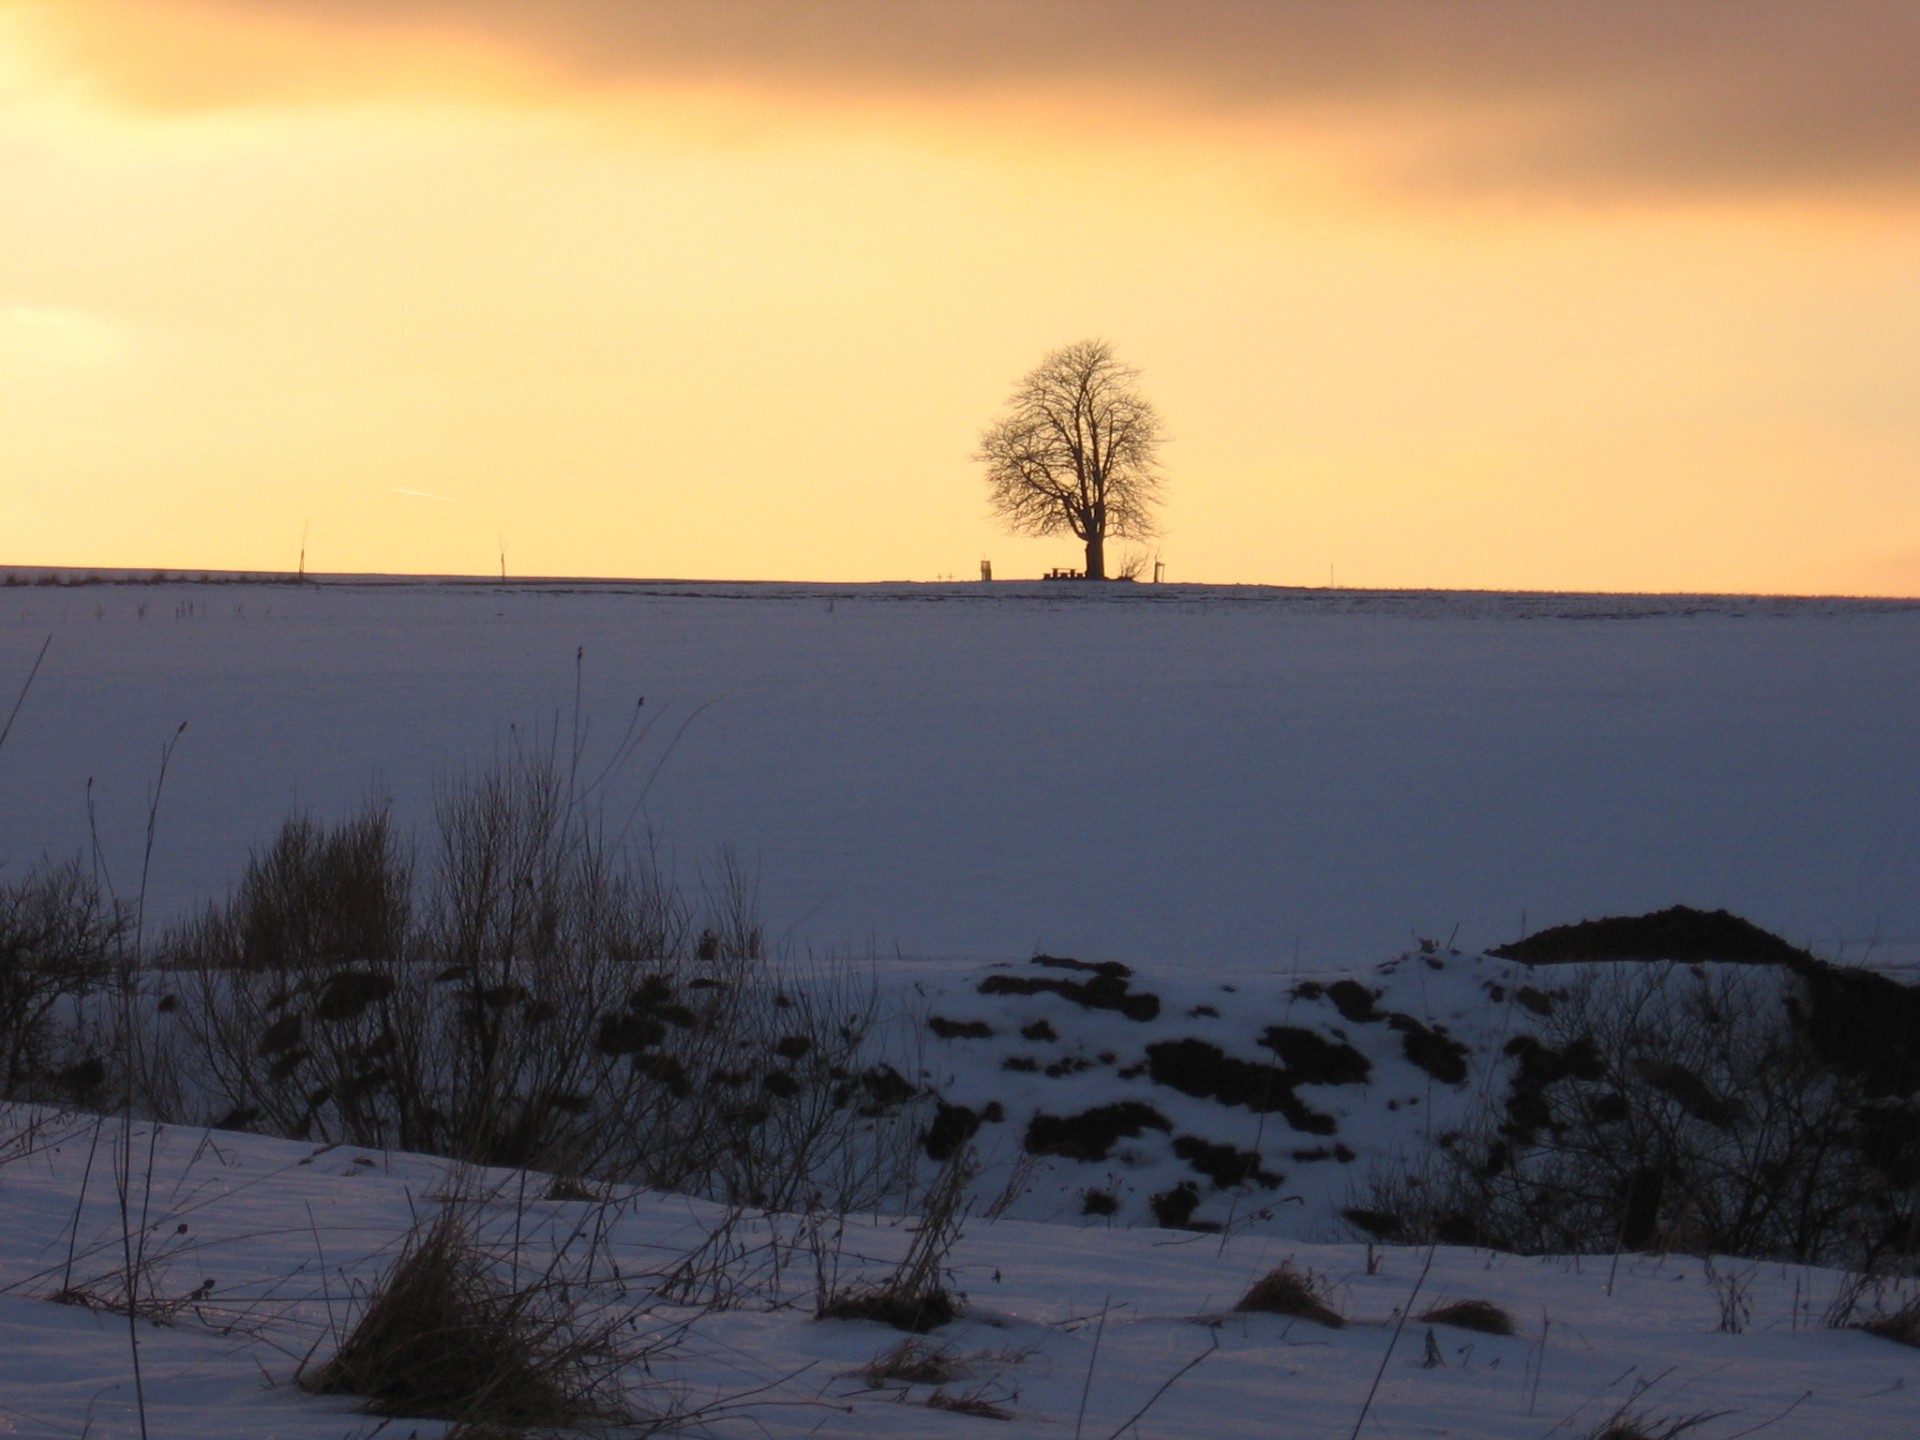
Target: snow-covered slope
column 259, row 1254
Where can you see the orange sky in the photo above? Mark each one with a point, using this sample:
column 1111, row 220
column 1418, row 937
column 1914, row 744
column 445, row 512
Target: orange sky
column 1609, row 295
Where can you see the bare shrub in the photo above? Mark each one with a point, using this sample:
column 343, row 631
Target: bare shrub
column 1285, row 1290
column 1659, row 1107
column 537, row 997
column 60, row 939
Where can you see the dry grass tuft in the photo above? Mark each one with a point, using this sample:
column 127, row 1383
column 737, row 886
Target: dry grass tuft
column 1901, row 1326
column 914, row 1362
column 1481, row 1315
column 443, row 1338
column 977, row 1406
column 1287, row 1291
column 1621, row 1426
column 915, row 1298
column 916, row 1312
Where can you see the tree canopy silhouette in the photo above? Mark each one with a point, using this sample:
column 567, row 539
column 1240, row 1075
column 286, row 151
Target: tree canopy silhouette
column 1077, row 450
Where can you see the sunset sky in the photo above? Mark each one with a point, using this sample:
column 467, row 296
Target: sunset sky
column 1601, row 294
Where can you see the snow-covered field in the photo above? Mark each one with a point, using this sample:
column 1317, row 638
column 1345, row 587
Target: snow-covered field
column 1184, row 776
column 1232, row 791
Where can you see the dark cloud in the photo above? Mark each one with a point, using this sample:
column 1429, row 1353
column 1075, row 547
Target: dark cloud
column 1684, row 95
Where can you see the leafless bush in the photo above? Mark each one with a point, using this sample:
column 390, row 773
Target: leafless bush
column 60, row 937
column 1659, row 1106
column 538, row 997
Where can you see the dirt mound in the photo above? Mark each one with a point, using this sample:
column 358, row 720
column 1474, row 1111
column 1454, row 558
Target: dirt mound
column 1678, row 933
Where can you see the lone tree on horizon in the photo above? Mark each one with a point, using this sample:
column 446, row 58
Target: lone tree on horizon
column 1077, row 450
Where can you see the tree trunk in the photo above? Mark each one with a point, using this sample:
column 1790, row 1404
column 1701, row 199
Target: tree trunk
column 1096, row 556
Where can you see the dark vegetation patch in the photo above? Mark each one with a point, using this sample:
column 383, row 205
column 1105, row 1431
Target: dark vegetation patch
column 1434, row 1051
column 1193, row 1067
column 1222, row 1164
column 1024, row 1064
column 959, row 1029
column 1105, row 991
column 1099, row 1202
column 952, row 1127
column 1091, row 1134
column 1203, row 1012
column 1038, row 1031
column 1072, row 1065
column 1312, row 1059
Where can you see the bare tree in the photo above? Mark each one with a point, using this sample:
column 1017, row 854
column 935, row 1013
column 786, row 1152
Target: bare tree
column 1077, row 450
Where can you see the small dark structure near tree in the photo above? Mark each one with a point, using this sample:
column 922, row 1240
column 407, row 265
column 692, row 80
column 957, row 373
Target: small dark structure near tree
column 1077, row 450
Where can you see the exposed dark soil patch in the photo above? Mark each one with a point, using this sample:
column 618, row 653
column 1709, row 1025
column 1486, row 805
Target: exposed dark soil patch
column 1193, row 1067
column 1536, row 1068
column 1862, row 1023
column 1325, row 1152
column 959, row 1029
column 1482, row 1316
column 1538, row 1001
column 1677, row 933
column 1105, row 991
column 1173, row 1209
column 952, row 1127
column 1312, row 1059
column 1354, row 1001
column 1091, row 1134
column 1380, row 1224
column 1222, row 1164
column 1039, row 1030
column 1434, row 1051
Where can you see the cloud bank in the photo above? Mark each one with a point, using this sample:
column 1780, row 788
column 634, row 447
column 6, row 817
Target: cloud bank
column 1597, row 97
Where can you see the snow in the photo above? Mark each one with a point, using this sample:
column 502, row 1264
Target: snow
column 1233, row 791
column 1182, row 775
column 291, row 1235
